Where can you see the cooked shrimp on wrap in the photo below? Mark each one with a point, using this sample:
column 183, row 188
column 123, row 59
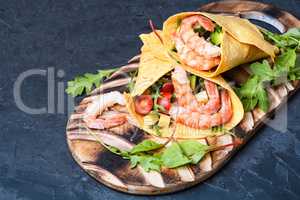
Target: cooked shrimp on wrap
column 212, row 44
column 169, row 100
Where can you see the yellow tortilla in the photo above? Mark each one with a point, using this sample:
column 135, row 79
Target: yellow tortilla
column 182, row 131
column 242, row 41
column 155, row 63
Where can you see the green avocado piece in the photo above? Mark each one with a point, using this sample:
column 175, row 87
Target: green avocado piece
column 216, row 36
column 193, row 81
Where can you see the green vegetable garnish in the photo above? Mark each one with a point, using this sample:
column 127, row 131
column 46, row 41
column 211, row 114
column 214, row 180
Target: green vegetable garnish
column 86, row 82
column 200, row 30
column 290, row 39
column 253, row 92
column 286, row 68
column 146, row 145
column 150, row 155
column 216, row 37
column 194, row 150
column 193, row 81
column 147, row 162
column 174, row 157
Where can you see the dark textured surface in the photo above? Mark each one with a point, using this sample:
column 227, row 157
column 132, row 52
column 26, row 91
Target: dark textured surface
column 79, row 36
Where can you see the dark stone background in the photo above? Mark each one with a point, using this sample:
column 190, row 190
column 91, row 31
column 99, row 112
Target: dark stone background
column 80, row 36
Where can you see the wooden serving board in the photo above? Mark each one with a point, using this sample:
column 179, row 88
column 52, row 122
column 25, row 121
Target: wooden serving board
column 116, row 173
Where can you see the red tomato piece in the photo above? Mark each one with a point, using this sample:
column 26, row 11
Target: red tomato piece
column 167, row 88
column 165, row 101
column 143, row 104
column 166, row 95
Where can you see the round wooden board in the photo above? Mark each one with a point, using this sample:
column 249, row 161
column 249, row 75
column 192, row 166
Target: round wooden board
column 115, row 172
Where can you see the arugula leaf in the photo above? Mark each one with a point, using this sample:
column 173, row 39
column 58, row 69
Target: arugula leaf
column 294, row 73
column 155, row 95
column 290, row 39
column 293, row 32
column 86, row 82
column 131, row 84
column 218, row 128
column 77, row 86
column 194, row 150
column 286, row 60
column 198, row 156
column 173, row 156
column 176, row 155
column 147, row 162
column 146, row 145
column 124, row 154
column 262, row 70
column 252, row 93
column 156, row 128
column 284, row 66
column 249, row 103
column 248, row 89
column 263, row 100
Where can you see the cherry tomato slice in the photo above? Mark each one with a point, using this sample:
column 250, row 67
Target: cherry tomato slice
column 143, row 104
column 167, row 88
column 166, row 95
column 165, row 102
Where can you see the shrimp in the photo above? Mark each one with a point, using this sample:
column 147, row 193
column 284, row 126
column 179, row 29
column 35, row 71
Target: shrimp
column 187, row 99
column 92, row 116
column 193, row 50
column 191, row 21
column 205, row 121
column 217, row 111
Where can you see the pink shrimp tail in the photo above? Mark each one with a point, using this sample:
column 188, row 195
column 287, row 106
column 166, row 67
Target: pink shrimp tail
column 106, row 122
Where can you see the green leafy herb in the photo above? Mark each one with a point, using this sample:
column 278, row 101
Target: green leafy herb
column 173, row 156
column 147, row 162
column 131, row 84
column 177, row 154
column 293, row 32
column 263, row 100
column 200, row 30
column 124, row 154
column 253, row 93
column 249, row 103
column 290, row 39
column 155, row 89
column 146, row 145
column 294, row 73
column 285, row 66
column 194, row 150
column 86, row 82
column 218, row 129
column 286, row 60
column 156, row 128
column 263, row 70
column 140, row 154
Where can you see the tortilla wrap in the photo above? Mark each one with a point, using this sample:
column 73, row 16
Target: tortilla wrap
column 155, row 62
column 242, row 41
